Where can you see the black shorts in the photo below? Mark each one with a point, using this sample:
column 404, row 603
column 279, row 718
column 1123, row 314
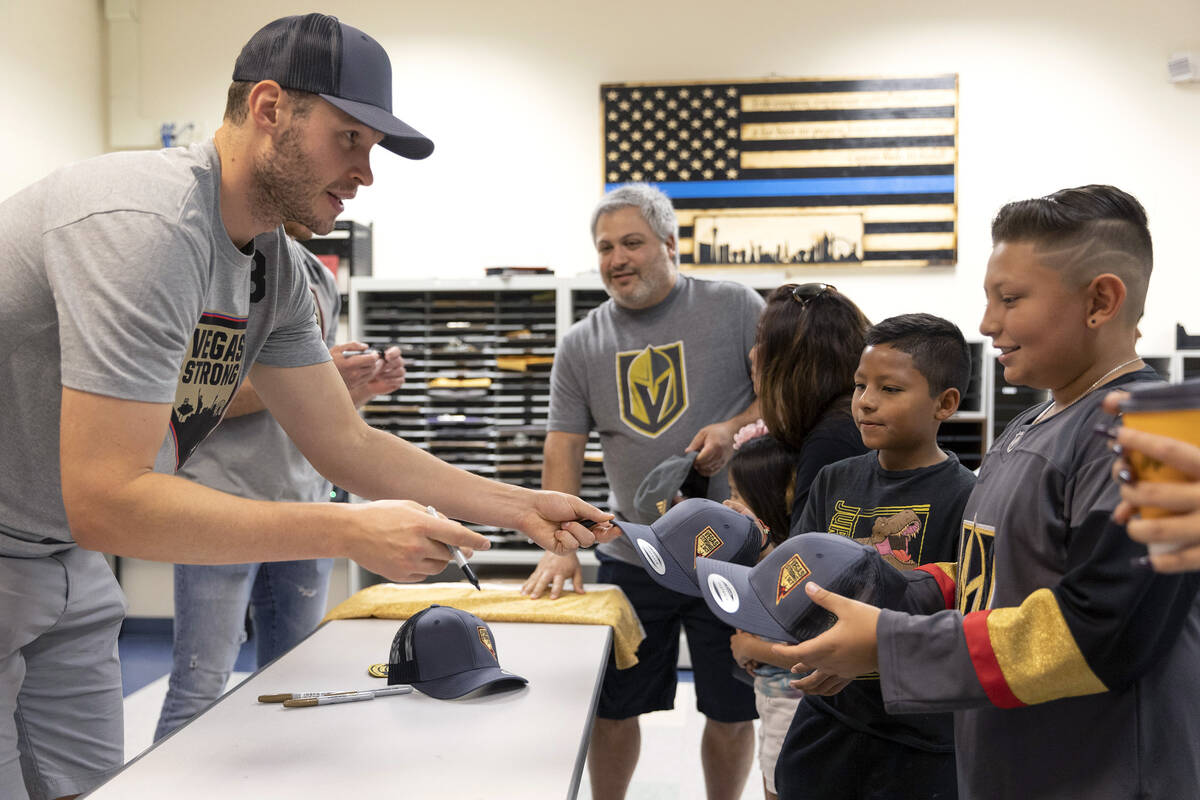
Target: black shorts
column 824, row 759
column 650, row 684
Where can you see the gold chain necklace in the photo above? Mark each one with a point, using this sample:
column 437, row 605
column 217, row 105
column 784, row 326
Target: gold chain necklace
column 1086, row 392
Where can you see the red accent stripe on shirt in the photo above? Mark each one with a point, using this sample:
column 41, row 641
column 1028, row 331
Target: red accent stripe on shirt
column 944, row 583
column 987, row 668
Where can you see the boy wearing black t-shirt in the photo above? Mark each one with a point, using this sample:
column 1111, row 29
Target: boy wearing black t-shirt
column 906, row 500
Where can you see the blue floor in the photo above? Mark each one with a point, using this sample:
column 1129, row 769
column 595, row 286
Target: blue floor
column 145, row 649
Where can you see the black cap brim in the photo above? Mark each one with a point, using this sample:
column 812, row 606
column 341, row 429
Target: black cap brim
column 398, row 136
column 454, row 686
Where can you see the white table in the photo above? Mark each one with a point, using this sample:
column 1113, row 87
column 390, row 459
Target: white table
column 525, row 744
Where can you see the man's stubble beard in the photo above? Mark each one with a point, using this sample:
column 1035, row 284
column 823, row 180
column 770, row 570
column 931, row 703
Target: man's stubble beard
column 283, row 189
column 640, row 295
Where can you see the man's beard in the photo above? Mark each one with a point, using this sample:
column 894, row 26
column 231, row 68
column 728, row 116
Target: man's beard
column 650, row 283
column 283, row 190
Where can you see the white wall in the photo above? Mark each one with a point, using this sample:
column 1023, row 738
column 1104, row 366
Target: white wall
column 1051, row 95
column 51, row 91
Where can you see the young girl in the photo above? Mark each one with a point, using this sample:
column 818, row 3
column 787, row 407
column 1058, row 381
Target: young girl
column 761, row 479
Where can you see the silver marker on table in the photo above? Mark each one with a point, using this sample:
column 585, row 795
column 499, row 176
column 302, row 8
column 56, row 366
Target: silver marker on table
column 345, row 697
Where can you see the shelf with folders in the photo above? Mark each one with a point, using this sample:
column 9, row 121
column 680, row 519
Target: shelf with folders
column 594, row 487
column 477, row 387
column 966, row 433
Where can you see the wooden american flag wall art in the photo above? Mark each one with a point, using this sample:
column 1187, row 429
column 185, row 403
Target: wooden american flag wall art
column 822, row 171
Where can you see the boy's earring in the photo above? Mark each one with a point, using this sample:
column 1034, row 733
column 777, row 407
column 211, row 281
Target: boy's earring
column 1092, row 322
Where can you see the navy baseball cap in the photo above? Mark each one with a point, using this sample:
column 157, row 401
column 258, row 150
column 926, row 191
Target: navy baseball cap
column 318, row 54
column 670, row 546
column 447, row 653
column 768, row 599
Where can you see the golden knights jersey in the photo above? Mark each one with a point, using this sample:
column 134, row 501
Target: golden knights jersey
column 1072, row 672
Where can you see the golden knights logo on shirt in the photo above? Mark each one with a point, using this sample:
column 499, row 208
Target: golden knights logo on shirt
column 207, row 380
column 652, row 388
column 976, row 567
column 707, row 541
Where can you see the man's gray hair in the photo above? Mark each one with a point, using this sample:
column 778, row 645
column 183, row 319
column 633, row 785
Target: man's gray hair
column 654, row 206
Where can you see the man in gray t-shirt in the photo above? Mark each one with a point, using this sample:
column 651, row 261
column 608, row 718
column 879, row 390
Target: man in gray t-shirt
column 659, row 369
column 140, row 289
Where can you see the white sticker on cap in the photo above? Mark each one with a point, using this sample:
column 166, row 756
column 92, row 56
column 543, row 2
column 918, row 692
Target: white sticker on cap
column 724, row 593
column 652, row 556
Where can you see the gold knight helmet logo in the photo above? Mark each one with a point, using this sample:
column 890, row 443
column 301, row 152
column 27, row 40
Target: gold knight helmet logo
column 652, row 388
column 486, row 640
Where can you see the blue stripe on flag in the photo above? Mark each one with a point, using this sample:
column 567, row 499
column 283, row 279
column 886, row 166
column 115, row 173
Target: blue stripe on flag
column 900, row 184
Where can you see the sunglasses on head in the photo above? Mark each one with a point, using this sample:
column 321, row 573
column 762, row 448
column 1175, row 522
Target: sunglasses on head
column 805, row 292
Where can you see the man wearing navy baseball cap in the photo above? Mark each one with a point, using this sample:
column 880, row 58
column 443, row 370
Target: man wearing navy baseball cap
column 348, row 69
column 144, row 288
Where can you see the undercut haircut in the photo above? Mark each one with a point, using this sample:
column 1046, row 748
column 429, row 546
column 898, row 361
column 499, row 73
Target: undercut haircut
column 937, row 347
column 1085, row 232
column 654, row 206
column 238, row 97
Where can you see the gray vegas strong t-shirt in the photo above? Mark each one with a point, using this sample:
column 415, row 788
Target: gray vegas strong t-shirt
column 251, row 455
column 119, row 279
column 648, row 380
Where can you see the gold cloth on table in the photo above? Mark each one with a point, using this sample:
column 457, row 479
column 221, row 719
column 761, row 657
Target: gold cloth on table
column 597, row 606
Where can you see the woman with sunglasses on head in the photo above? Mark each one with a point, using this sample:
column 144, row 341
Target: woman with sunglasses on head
column 810, row 337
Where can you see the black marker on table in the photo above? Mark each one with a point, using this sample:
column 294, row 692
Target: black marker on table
column 459, row 558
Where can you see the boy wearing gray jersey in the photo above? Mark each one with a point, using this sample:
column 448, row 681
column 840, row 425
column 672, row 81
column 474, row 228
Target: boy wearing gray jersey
column 1070, row 670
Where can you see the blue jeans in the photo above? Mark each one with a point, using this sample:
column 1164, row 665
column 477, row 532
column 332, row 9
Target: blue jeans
column 286, row 601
